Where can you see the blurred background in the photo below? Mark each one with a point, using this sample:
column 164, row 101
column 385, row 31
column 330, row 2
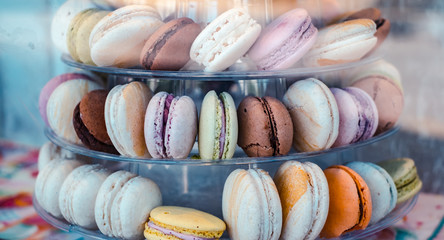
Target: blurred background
column 28, row 60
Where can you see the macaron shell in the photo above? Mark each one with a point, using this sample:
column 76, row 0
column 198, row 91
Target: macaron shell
column 118, row 38
column 388, row 97
column 92, row 108
column 315, row 115
column 78, row 195
column 61, row 104
column 377, row 68
column 188, row 220
column 105, row 196
column 254, row 128
column 124, row 117
column 210, row 126
column 169, row 47
column 367, row 112
column 296, row 195
column 49, row 183
column 225, row 39
column 132, row 206
column 410, row 190
column 348, row 210
column 231, row 126
column 380, row 188
column 49, row 151
column 348, row 117
column 62, row 19
column 83, row 33
column 50, row 86
column 73, row 29
column 181, row 128
column 153, row 125
column 251, row 205
column 283, row 125
column 341, row 43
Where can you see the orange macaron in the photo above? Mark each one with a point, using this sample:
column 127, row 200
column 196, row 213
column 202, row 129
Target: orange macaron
column 350, row 202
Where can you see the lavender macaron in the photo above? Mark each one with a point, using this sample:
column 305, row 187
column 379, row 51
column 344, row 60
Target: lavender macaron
column 284, row 41
column 358, row 115
column 170, row 126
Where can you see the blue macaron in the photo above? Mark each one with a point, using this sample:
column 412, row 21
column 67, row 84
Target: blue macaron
column 382, row 188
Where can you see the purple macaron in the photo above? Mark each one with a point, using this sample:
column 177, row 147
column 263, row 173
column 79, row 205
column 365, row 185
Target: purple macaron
column 358, row 115
column 51, row 85
column 284, row 41
column 170, row 126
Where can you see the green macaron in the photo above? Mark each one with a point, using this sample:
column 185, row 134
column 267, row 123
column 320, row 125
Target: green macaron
column 218, row 127
column 404, row 174
column 78, row 34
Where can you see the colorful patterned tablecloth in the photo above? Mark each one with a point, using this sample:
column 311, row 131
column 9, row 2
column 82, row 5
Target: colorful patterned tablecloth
column 18, row 219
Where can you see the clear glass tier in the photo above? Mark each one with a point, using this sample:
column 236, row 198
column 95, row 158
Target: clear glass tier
column 400, row 211
column 239, row 157
column 298, row 72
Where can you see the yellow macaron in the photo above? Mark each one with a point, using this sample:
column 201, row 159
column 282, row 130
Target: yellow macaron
column 168, row 222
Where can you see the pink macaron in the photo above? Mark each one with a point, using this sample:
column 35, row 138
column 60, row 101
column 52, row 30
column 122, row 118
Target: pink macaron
column 358, row 115
column 51, row 85
column 170, row 126
column 284, row 41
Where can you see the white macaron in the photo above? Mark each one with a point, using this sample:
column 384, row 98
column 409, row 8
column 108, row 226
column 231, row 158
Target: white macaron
column 123, row 204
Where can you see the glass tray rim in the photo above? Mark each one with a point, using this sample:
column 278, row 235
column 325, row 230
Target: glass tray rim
column 400, row 211
column 219, row 76
column 80, row 149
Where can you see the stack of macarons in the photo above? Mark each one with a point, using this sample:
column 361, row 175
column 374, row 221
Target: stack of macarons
column 137, row 36
column 89, row 196
column 303, row 201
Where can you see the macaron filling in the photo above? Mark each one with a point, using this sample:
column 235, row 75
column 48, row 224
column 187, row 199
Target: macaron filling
column 274, row 141
column 166, row 111
column 222, row 130
column 176, row 234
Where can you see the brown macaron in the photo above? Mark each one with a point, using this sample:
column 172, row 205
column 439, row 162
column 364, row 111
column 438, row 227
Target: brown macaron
column 350, row 202
column 89, row 122
column 169, row 47
column 382, row 25
column 265, row 127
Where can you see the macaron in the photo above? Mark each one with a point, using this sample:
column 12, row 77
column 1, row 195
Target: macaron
column 118, row 212
column 227, row 38
column 49, row 151
column 218, row 126
column 78, row 194
column 61, row 105
column 404, row 174
column 284, row 41
column 63, row 17
column 170, row 222
column 118, row 38
column 168, row 48
column 89, row 122
column 382, row 25
column 382, row 188
column 315, row 115
column 342, row 43
column 51, row 85
column 125, row 109
column 350, row 202
column 303, row 191
column 250, row 205
column 49, row 182
column 388, row 98
column 78, row 34
column 170, row 126
column 265, row 127
column 358, row 115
